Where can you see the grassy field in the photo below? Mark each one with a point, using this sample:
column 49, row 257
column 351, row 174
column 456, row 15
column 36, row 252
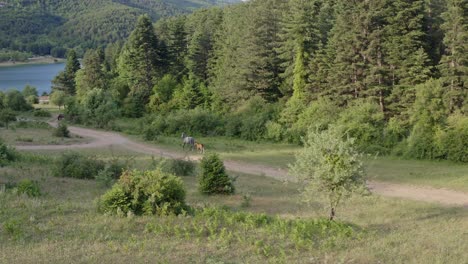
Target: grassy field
column 64, row 225
column 439, row 174
column 265, row 220
column 37, row 136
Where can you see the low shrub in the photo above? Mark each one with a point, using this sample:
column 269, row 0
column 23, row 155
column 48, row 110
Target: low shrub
column 32, row 124
column 364, row 121
column 62, row 131
column 29, row 187
column 42, row 113
column 115, row 167
column 194, row 122
column 454, row 140
column 178, row 167
column 7, row 154
column 75, row 165
column 213, row 178
column 24, row 139
column 145, row 192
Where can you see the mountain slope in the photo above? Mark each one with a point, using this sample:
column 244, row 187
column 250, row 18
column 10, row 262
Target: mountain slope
column 51, row 26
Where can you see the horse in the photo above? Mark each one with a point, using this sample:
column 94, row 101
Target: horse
column 60, row 117
column 200, row 147
column 186, row 140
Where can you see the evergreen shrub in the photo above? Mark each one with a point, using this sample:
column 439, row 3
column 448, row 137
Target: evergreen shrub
column 212, row 178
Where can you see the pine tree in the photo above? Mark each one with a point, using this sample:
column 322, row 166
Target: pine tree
column 453, row 65
column 230, row 62
column 408, row 61
column 263, row 40
column 174, row 37
column 65, row 80
column 300, row 38
column 139, row 62
column 93, row 75
column 348, row 44
column 201, row 28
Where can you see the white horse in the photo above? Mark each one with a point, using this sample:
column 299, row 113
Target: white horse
column 187, row 141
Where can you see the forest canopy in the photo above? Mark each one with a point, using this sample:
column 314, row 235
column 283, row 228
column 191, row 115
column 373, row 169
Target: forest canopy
column 391, row 74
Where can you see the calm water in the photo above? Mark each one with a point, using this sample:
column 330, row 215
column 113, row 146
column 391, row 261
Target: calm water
column 37, row 75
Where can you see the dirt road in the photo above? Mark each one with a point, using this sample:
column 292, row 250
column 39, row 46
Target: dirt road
column 105, row 139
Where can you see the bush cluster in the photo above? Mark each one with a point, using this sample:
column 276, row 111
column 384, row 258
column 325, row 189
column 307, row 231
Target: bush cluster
column 195, row 122
column 62, row 131
column 177, row 167
column 7, row 154
column 213, row 178
column 75, row 165
column 145, row 193
column 249, row 122
column 42, row 113
column 29, row 187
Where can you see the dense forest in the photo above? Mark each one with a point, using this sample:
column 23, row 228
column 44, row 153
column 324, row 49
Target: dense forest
column 50, row 27
column 391, row 74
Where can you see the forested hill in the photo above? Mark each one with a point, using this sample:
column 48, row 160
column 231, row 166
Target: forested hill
column 45, row 27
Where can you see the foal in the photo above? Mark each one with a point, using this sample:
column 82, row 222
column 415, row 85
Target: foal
column 200, row 147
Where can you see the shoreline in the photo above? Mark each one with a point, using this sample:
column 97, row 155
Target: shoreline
column 32, row 61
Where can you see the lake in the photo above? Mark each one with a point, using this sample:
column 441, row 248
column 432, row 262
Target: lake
column 37, row 75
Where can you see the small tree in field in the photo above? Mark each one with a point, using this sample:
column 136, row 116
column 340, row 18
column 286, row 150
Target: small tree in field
column 329, row 164
column 58, row 98
column 7, row 116
column 213, row 178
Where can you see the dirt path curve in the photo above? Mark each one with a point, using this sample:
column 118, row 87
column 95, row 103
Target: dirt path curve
column 105, row 139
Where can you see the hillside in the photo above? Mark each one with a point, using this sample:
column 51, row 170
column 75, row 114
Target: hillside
column 45, row 27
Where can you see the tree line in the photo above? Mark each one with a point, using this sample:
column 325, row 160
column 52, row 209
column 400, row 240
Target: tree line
column 391, row 74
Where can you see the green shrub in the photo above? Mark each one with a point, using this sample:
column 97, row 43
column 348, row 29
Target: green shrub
column 212, row 177
column 29, row 187
column 105, row 178
column 145, row 192
column 7, row 154
column 318, row 115
column 7, row 116
column 32, row 124
column 274, row 131
column 42, row 113
column 15, row 101
column 24, row 139
column 62, row 131
column 364, row 121
column 454, row 140
column 75, row 165
column 427, row 117
column 116, row 166
column 194, row 122
column 178, row 167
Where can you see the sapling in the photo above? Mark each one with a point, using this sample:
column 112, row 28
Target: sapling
column 329, row 164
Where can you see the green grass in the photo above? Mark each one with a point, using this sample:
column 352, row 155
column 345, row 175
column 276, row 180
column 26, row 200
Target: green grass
column 439, row 174
column 64, row 226
column 37, row 136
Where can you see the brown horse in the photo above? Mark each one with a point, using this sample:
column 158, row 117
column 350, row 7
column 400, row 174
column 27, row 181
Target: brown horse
column 200, row 147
